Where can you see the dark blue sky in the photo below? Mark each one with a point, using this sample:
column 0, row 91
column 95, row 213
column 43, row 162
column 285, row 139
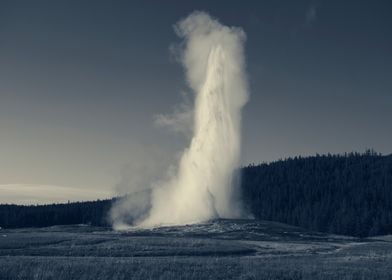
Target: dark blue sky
column 81, row 82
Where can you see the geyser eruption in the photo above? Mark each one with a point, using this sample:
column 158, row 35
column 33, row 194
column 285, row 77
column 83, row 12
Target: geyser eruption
column 204, row 187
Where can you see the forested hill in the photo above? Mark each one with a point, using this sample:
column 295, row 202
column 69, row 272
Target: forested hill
column 345, row 194
column 88, row 212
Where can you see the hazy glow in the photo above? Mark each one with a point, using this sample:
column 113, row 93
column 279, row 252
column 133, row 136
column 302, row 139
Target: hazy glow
column 43, row 194
column 203, row 187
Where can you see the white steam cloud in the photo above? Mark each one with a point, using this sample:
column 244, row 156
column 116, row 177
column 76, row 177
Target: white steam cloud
column 203, row 186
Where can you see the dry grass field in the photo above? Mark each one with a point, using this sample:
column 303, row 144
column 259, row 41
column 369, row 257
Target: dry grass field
column 223, row 249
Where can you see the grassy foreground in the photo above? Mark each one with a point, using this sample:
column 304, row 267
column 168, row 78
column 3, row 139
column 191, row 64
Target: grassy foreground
column 241, row 249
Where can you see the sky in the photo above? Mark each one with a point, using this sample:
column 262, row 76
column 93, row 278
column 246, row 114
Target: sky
column 83, row 83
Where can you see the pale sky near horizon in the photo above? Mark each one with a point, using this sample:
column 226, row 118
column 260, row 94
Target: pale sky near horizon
column 81, row 83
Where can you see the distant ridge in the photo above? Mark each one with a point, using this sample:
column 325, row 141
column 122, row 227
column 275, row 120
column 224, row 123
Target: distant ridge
column 87, row 212
column 347, row 194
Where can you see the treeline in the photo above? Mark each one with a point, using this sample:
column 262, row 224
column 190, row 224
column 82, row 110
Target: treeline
column 345, row 194
column 91, row 212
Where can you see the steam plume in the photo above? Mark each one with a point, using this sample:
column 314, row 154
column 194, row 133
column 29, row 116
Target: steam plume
column 203, row 186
